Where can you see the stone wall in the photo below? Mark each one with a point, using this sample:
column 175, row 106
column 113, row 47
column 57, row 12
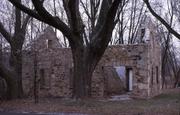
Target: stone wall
column 53, row 71
column 130, row 56
column 114, row 85
column 57, row 63
column 154, row 65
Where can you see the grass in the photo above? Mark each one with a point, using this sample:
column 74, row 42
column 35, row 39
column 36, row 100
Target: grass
column 165, row 104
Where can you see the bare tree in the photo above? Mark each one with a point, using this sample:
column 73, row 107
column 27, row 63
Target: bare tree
column 121, row 25
column 168, row 27
column 169, row 61
column 174, row 65
column 86, row 51
column 176, row 8
column 13, row 75
column 166, row 45
column 130, row 21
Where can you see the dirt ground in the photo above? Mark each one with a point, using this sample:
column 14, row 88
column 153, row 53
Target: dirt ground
column 168, row 103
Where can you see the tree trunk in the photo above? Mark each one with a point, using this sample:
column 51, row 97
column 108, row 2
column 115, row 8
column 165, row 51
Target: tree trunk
column 12, row 88
column 13, row 75
column 176, row 80
column 10, row 78
column 16, row 78
column 83, row 70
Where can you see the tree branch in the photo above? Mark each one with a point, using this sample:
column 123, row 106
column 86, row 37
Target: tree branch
column 49, row 19
column 45, row 17
column 75, row 16
column 102, row 16
column 65, row 5
column 103, row 36
column 76, row 23
column 5, row 33
column 85, row 9
column 18, row 19
column 25, row 22
column 169, row 28
column 26, row 10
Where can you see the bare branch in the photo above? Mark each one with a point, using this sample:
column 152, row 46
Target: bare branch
column 18, row 19
column 76, row 21
column 85, row 9
column 25, row 22
column 26, row 10
column 5, row 33
column 102, row 15
column 103, row 36
column 45, row 17
column 169, row 28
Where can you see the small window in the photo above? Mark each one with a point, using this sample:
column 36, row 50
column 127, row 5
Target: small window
column 71, row 78
column 42, row 79
column 157, row 74
column 152, row 76
column 49, row 43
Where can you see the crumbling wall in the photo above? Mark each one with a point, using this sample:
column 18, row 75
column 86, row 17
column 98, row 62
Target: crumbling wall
column 54, row 67
column 47, row 39
column 114, row 85
column 130, row 56
column 154, row 66
column 28, row 72
column 57, row 64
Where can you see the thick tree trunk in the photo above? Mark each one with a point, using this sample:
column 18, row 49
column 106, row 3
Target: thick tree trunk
column 83, row 70
column 10, row 78
column 12, row 88
column 14, row 83
column 13, row 75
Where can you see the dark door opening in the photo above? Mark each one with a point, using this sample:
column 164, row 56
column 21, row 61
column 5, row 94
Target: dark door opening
column 42, row 79
column 129, row 79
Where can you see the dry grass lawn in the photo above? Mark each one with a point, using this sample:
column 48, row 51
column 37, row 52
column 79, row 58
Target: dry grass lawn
column 167, row 103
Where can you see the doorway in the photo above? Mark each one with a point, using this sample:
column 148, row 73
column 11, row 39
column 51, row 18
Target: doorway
column 42, row 78
column 129, row 79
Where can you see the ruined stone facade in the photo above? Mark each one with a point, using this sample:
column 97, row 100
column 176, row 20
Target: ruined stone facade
column 139, row 68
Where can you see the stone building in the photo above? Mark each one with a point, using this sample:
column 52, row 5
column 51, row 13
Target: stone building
column 132, row 68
